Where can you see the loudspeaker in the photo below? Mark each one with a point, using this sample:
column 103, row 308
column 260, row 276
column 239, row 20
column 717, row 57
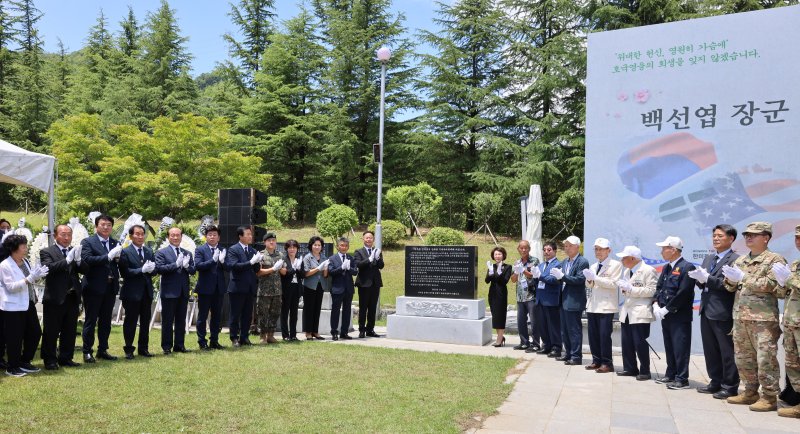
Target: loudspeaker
column 240, row 207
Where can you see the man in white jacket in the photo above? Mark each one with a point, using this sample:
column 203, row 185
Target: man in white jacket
column 638, row 285
column 601, row 305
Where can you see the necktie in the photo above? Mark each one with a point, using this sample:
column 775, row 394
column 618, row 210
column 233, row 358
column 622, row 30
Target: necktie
column 369, row 252
column 105, row 244
column 141, row 256
column 177, row 251
column 667, row 270
column 343, row 258
column 64, row 251
column 599, row 267
column 714, row 263
column 212, row 251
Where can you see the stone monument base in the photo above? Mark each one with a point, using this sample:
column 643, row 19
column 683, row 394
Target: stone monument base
column 444, row 330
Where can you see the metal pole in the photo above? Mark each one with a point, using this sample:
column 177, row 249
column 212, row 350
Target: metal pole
column 378, row 228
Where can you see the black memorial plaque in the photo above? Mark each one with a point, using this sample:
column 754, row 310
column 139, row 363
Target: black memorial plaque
column 441, row 272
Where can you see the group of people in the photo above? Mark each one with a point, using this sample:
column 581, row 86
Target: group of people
column 95, row 272
column 739, row 315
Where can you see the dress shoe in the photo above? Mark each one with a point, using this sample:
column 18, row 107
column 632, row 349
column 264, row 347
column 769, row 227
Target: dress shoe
column 346, row 337
column 530, row 350
column 708, row 389
column 642, row 377
column 105, row 356
column 28, row 368
column 664, row 380
column 534, row 347
column 51, row 366
column 181, row 350
column 167, row 352
column 372, row 334
column 216, row 346
column 592, row 366
column 573, row 362
column 543, row 351
column 69, row 363
column 129, row 356
column 554, row 354
column 362, row 335
column 335, row 337
column 246, row 342
column 678, row 385
column 236, row 344
column 604, row 369
column 145, row 353
column 724, row 394
column 625, row 374
column 521, row 346
column 561, row 358
column 88, row 358
column 319, row 338
column 204, row 346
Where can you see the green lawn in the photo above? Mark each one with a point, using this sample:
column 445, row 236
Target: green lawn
column 290, row 387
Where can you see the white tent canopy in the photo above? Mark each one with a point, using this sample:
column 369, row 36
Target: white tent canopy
column 21, row 167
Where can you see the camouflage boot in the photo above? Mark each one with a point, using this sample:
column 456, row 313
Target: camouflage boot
column 746, row 398
column 766, row 403
column 790, row 411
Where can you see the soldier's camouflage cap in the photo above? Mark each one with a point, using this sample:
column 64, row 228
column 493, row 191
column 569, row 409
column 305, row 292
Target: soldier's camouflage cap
column 758, row 228
column 269, row 235
column 797, row 231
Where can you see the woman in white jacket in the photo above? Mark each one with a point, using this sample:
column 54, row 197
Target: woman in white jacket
column 637, row 284
column 18, row 302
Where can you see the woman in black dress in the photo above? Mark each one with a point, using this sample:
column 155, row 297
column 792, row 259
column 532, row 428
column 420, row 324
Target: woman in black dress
column 497, row 277
column 292, row 285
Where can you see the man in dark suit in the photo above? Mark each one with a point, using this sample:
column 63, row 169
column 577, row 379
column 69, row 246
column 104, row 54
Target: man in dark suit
column 175, row 265
column 342, row 268
column 100, row 267
column 573, row 300
column 673, row 306
column 210, row 288
column 548, row 302
column 242, row 262
column 61, row 300
column 137, row 266
column 370, row 263
column 716, row 315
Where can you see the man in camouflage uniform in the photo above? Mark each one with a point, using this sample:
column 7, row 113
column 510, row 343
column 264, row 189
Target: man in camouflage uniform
column 789, row 281
column 268, row 303
column 755, row 319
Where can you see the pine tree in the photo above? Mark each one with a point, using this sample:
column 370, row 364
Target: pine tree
column 254, row 18
column 8, row 39
column 30, row 113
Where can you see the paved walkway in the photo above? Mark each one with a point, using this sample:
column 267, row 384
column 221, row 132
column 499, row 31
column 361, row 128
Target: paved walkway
column 551, row 397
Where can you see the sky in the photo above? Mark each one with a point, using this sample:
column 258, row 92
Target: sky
column 202, row 21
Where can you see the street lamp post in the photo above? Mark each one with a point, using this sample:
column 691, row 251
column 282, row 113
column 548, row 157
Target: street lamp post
column 384, row 54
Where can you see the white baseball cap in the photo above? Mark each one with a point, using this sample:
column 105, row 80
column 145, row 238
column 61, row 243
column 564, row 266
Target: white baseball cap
column 671, row 242
column 602, row 243
column 631, row 251
column 572, row 239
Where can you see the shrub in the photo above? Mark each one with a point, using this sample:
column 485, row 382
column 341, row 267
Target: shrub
column 279, row 211
column 421, row 200
column 392, row 231
column 445, row 237
column 486, row 206
column 336, row 220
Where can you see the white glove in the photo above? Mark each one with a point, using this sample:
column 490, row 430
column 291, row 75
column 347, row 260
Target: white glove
column 115, row 252
column 186, row 260
column 782, row 273
column 536, row 272
column 215, row 258
column 377, row 253
column 699, row 274
column 256, row 258
column 589, row 274
column 148, row 267
column 6, row 235
column 734, row 274
column 77, row 254
column 490, row 267
column 297, row 264
column 517, row 268
column 323, row 265
column 624, row 286
column 37, row 273
column 372, row 255
column 660, row 312
column 277, row 266
column 222, row 255
column 179, row 260
column 557, row 273
column 70, row 256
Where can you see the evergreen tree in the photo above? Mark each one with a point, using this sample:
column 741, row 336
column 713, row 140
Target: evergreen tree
column 254, row 19
column 30, row 111
column 8, row 39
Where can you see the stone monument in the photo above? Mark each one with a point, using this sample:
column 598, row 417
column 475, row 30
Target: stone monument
column 440, row 302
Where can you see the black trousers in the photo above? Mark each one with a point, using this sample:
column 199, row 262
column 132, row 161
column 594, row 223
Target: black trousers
column 173, row 314
column 677, row 346
column 241, row 316
column 22, row 332
column 60, row 323
column 209, row 303
column 718, row 351
column 2, row 338
column 367, row 307
column 550, row 327
column 312, row 306
column 97, row 311
column 634, row 344
column 341, row 306
column 599, row 332
column 137, row 312
column 289, row 304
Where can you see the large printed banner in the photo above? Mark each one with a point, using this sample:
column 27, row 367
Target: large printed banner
column 692, row 124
